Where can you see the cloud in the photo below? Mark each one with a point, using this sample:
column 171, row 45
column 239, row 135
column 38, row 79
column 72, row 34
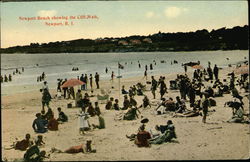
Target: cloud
column 173, row 12
column 150, row 14
column 45, row 13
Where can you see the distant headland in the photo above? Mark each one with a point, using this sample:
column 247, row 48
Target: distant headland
column 235, row 38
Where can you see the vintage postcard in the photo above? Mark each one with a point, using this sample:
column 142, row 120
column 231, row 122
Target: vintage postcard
column 124, row 80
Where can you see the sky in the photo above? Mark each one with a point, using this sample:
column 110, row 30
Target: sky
column 114, row 19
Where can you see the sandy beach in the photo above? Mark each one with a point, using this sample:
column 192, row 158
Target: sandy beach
column 214, row 140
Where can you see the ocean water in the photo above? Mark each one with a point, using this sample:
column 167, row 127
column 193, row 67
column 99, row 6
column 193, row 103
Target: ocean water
column 60, row 65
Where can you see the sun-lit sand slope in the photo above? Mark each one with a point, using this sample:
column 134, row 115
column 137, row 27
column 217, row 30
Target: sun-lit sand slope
column 214, row 140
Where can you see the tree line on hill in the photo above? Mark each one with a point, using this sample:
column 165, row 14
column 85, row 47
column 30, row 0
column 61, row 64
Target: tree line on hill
column 235, row 38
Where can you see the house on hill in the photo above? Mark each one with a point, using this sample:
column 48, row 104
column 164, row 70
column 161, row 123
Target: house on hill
column 135, row 42
column 123, row 42
column 147, row 40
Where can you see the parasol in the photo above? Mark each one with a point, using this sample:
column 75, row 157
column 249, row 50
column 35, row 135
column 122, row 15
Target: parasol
column 72, row 82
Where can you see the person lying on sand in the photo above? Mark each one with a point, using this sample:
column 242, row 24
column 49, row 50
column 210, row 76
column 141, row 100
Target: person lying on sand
column 76, row 149
column 21, row 145
column 193, row 113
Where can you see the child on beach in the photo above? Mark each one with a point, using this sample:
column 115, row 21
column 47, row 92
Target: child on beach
column 83, row 121
column 39, row 141
column 61, row 117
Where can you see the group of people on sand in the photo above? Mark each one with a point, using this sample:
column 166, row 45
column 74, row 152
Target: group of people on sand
column 8, row 78
column 46, row 120
column 144, row 138
column 86, row 80
column 137, row 89
column 199, row 91
column 31, row 148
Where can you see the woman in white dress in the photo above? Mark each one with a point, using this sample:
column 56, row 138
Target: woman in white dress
column 83, row 121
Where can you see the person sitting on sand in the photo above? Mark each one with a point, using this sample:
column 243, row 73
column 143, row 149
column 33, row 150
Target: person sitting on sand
column 91, row 110
column 53, row 124
column 23, row 144
column 142, row 137
column 126, row 103
column 39, row 125
column 170, row 105
column 78, row 98
column 123, row 90
column 101, row 123
column 132, row 101
column 180, row 105
column 109, row 104
column 83, row 121
column 161, row 109
column 85, row 100
column 39, row 141
column 219, row 92
column 77, row 149
column 210, row 92
column 168, row 133
column 131, row 114
column 146, row 102
column 61, row 117
column 116, row 104
column 49, row 114
column 235, row 93
column 238, row 116
column 97, row 109
column 33, row 154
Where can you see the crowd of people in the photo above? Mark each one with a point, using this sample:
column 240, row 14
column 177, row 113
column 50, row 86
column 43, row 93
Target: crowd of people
column 196, row 97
